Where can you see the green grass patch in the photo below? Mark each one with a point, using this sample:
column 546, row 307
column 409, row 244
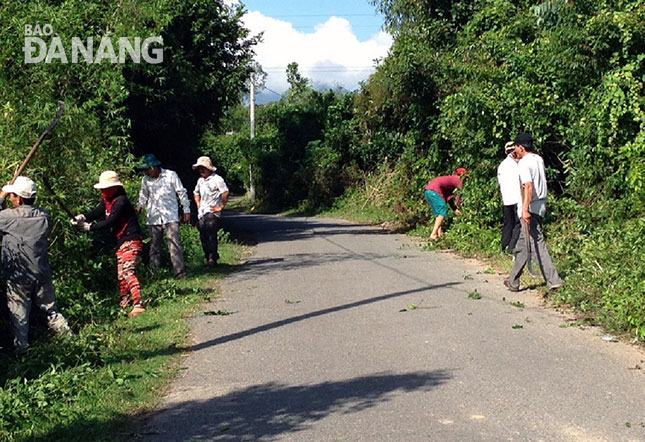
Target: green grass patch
column 90, row 386
column 356, row 205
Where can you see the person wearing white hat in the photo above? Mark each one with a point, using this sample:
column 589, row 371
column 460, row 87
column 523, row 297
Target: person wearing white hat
column 211, row 196
column 508, row 178
column 115, row 213
column 25, row 264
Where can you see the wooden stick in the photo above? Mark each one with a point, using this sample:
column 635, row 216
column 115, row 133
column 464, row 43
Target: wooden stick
column 56, row 197
column 59, row 113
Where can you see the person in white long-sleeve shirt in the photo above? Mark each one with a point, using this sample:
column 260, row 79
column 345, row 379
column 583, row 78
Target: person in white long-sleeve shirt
column 160, row 189
column 508, row 177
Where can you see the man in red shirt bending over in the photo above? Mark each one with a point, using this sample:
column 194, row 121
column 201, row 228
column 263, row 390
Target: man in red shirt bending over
column 438, row 192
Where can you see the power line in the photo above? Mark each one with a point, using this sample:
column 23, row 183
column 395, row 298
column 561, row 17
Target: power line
column 313, row 25
column 319, row 15
column 265, row 68
column 271, row 90
column 322, row 71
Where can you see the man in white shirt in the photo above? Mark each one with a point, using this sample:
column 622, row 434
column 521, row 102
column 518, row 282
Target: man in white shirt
column 508, row 177
column 211, row 196
column 531, row 211
column 159, row 191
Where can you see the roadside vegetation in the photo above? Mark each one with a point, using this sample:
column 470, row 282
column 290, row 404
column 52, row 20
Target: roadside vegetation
column 463, row 78
column 89, row 386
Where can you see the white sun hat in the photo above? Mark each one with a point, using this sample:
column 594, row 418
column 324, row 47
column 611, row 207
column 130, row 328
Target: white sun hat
column 204, row 162
column 109, row 178
column 22, row 186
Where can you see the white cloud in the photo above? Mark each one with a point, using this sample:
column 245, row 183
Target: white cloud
column 330, row 56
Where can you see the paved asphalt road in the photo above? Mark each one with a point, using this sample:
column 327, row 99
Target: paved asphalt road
column 323, row 344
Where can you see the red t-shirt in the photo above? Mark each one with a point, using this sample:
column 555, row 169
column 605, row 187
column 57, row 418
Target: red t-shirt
column 445, row 186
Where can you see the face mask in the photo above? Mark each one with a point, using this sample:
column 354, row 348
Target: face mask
column 109, row 192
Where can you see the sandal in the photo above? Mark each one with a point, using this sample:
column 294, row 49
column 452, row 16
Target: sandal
column 138, row 309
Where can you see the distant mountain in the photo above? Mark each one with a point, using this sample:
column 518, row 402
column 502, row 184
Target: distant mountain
column 265, row 96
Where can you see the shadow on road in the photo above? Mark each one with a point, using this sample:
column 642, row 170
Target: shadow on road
column 265, row 228
column 256, row 267
column 263, row 412
column 271, row 325
column 260, row 266
column 251, row 229
column 326, row 311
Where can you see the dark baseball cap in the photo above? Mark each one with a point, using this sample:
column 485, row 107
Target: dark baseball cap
column 524, row 138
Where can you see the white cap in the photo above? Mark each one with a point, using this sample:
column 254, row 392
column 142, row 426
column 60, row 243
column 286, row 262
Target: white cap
column 22, row 186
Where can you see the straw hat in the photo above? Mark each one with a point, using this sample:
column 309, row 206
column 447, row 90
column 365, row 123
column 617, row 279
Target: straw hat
column 22, row 186
column 204, row 162
column 109, row 178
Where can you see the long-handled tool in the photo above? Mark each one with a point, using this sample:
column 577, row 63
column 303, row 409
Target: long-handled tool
column 52, row 123
column 56, row 197
column 529, row 259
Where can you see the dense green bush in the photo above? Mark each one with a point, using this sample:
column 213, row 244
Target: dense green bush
column 573, row 74
column 110, row 111
column 301, row 149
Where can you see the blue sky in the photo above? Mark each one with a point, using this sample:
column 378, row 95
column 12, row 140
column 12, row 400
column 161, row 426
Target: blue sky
column 334, row 42
column 305, row 14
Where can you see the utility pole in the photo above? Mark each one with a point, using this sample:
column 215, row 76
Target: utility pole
column 252, row 125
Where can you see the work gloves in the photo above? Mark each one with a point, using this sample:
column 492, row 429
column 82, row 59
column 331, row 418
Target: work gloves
column 79, row 222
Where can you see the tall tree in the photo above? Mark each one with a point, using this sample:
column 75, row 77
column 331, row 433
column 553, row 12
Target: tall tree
column 207, row 58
